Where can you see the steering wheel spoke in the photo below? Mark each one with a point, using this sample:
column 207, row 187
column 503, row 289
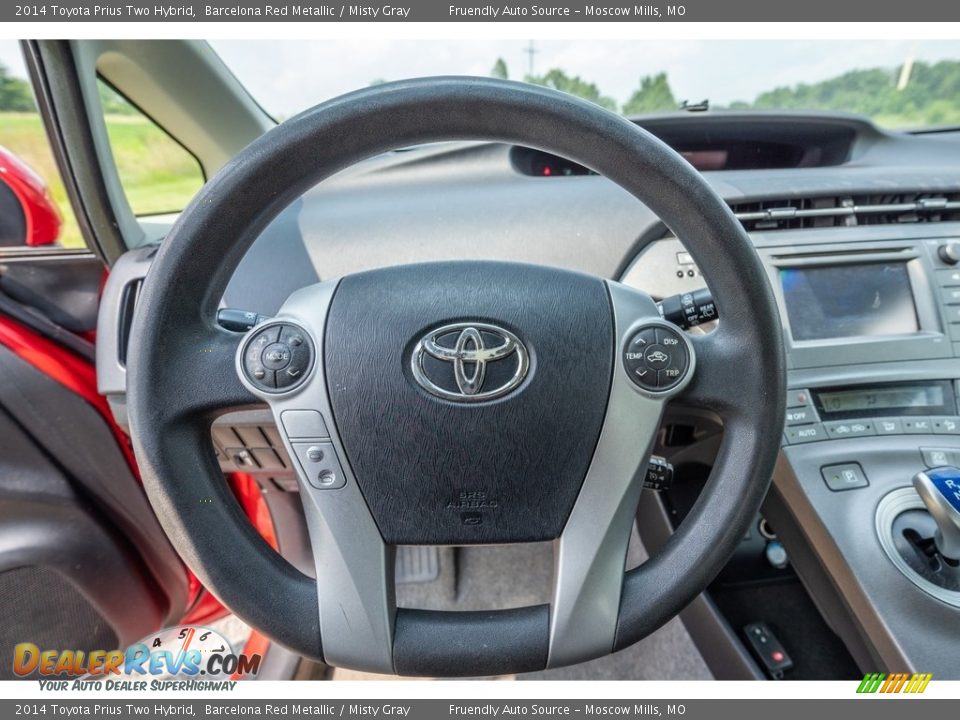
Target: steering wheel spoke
column 591, row 553
column 355, row 574
column 354, row 567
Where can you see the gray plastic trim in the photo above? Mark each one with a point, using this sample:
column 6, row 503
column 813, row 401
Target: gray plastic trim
column 129, row 268
column 591, row 553
column 355, row 569
column 892, row 505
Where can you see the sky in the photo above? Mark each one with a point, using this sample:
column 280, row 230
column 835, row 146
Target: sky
column 286, row 76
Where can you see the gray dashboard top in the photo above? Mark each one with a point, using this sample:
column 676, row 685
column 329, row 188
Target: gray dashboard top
column 468, row 200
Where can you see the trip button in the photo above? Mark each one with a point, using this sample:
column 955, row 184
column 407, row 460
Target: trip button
column 673, row 370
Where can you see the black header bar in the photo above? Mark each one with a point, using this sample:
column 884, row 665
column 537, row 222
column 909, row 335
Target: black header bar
column 737, row 11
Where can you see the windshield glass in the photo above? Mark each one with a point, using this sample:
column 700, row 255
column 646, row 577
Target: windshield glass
column 898, row 84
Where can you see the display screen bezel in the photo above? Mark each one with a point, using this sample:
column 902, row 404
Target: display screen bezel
column 784, row 250
column 949, row 406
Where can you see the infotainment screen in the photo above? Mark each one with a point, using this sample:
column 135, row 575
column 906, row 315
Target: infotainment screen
column 841, row 301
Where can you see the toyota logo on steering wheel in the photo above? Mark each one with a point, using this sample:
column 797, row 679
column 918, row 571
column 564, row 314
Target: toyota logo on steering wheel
column 470, row 348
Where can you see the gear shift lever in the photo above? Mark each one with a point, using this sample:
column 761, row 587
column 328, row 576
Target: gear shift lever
column 940, row 491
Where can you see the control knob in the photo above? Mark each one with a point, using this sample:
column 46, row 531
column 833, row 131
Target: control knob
column 950, row 252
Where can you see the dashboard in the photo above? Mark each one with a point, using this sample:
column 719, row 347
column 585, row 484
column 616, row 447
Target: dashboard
column 859, row 231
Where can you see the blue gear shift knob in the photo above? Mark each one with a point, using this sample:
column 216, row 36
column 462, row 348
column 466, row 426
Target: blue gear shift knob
column 940, row 491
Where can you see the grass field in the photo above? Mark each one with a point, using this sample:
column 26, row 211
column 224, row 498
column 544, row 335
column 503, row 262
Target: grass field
column 157, row 174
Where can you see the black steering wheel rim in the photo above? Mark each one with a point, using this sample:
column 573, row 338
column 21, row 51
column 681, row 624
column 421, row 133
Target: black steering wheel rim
column 176, row 338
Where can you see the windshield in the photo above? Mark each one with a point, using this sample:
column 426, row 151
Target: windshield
column 898, row 84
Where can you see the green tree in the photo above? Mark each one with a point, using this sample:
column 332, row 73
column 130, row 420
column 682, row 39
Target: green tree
column 15, row 94
column 653, row 94
column 574, row 85
column 499, row 70
column 930, row 96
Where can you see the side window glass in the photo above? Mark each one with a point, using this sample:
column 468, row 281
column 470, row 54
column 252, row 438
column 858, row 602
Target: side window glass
column 34, row 209
column 158, row 175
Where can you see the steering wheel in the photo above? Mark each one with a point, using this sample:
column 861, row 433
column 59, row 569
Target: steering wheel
column 454, row 403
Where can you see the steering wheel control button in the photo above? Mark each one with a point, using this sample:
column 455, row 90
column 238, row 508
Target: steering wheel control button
column 320, row 465
column 275, row 356
column 303, row 424
column 257, row 373
column 656, row 358
column 294, row 357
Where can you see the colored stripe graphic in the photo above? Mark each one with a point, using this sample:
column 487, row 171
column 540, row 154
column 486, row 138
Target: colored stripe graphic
column 894, row 683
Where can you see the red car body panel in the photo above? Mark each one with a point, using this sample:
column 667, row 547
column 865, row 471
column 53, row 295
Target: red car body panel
column 43, row 220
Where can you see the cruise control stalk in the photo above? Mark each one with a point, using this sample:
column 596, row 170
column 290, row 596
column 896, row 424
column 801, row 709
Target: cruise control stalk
column 689, row 309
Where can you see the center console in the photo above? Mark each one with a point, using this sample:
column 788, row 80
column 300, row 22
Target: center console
column 872, row 331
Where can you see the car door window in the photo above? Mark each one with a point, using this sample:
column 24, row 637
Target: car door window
column 158, row 175
column 34, row 209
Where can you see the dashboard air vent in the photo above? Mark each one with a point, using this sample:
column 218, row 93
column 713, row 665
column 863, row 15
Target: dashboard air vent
column 128, row 303
column 848, row 210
